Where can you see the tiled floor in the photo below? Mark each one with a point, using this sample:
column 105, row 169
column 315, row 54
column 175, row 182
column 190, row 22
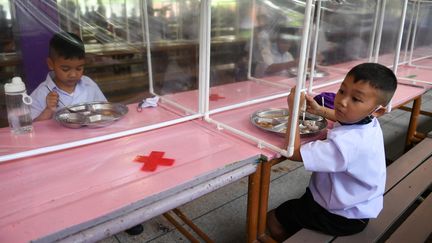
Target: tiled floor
column 222, row 214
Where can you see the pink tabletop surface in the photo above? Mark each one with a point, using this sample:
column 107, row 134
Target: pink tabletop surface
column 49, row 193
column 229, row 94
column 422, row 51
column 49, row 132
column 240, row 118
column 424, row 62
column 417, row 73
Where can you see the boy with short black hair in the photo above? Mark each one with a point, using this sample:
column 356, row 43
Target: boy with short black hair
column 65, row 84
column 348, row 168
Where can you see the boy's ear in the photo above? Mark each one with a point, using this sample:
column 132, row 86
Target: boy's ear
column 381, row 110
column 50, row 63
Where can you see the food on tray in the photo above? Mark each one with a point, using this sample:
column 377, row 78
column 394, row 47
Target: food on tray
column 93, row 114
column 308, row 126
column 276, row 119
column 265, row 124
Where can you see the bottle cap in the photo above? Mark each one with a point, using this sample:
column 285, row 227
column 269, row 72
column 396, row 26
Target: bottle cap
column 17, row 85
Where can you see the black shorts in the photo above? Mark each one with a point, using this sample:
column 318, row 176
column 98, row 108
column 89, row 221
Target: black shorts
column 304, row 212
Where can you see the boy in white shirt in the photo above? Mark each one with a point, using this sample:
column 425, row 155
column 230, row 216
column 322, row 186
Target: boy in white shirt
column 65, row 84
column 275, row 58
column 348, row 168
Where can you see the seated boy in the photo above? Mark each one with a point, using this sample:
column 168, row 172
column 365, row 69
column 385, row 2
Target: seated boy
column 65, row 84
column 275, row 58
column 348, row 168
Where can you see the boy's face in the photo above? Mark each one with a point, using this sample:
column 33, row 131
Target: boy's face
column 67, row 71
column 355, row 101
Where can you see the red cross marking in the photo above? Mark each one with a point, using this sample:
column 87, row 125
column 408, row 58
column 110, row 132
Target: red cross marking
column 151, row 162
column 215, row 97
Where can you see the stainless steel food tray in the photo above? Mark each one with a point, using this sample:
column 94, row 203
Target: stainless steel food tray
column 318, row 73
column 94, row 114
column 276, row 119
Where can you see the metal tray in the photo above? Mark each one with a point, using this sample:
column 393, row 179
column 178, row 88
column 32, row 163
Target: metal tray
column 276, row 119
column 318, row 73
column 94, row 114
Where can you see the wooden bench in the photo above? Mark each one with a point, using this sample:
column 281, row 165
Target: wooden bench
column 407, row 212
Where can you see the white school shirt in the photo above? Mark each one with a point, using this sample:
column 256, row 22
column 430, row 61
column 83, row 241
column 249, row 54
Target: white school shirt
column 349, row 170
column 86, row 90
column 268, row 54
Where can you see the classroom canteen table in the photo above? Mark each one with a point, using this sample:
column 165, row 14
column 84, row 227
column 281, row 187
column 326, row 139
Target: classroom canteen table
column 224, row 95
column 94, row 191
column 49, row 133
column 57, row 186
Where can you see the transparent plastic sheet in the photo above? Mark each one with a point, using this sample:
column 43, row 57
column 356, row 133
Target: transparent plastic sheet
column 416, row 53
column 346, row 31
column 120, row 38
column 390, row 32
column 421, row 32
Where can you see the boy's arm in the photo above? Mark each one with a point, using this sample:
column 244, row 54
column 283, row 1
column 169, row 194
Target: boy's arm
column 296, row 155
column 51, row 105
column 277, row 67
column 314, row 108
column 44, row 115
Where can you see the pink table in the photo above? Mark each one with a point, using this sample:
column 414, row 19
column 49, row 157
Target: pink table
column 49, row 132
column 228, row 94
column 91, row 192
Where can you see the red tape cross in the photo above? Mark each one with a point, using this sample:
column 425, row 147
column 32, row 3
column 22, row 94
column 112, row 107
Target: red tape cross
column 216, row 97
column 153, row 160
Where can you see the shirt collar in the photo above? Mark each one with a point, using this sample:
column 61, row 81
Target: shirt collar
column 363, row 121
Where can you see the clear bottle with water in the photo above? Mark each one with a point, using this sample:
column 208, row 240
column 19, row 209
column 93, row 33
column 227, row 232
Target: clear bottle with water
column 18, row 106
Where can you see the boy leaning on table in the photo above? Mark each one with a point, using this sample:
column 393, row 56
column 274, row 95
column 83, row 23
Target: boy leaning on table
column 65, row 84
column 348, row 167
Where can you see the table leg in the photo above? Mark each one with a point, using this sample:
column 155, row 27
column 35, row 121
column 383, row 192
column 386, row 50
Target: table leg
column 264, row 198
column 253, row 204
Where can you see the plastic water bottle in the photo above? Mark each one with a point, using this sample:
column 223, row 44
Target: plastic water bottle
column 18, row 106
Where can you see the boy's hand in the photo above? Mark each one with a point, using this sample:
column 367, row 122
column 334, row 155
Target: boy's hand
column 312, row 106
column 291, row 98
column 51, row 100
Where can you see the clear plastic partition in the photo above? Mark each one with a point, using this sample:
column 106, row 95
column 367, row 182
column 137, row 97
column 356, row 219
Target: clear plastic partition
column 258, row 53
column 137, row 53
column 419, row 49
column 416, row 51
column 254, row 50
column 393, row 14
column 347, row 32
column 9, row 60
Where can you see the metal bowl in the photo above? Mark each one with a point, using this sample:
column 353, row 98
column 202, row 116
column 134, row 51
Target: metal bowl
column 275, row 120
column 94, row 114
